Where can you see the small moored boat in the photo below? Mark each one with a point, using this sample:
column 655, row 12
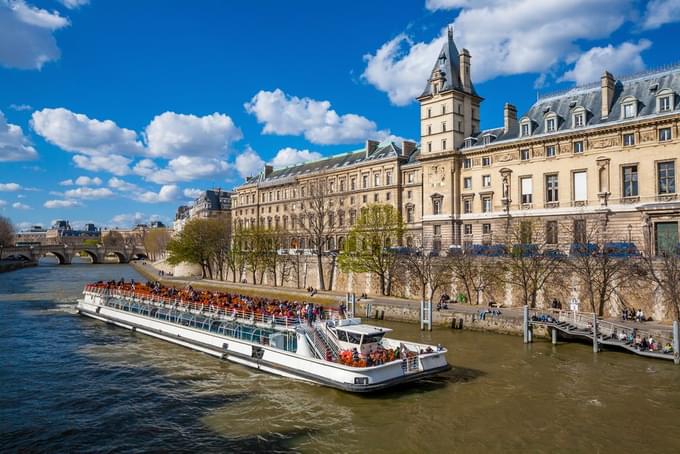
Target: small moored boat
column 328, row 348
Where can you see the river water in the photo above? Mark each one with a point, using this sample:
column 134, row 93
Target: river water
column 74, row 384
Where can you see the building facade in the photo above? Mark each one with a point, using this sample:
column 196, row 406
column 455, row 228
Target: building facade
column 605, row 153
column 211, row 203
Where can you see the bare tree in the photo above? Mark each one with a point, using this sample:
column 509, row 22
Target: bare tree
column 663, row 270
column 429, row 269
column 600, row 266
column 317, row 220
column 156, row 242
column 6, row 233
column 476, row 273
column 531, row 262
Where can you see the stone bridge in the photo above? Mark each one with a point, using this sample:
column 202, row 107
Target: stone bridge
column 65, row 252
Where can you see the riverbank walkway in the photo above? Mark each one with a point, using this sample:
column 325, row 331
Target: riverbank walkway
column 516, row 313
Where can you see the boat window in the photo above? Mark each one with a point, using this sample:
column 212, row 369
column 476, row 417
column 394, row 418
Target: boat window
column 375, row 338
column 354, row 338
column 342, row 336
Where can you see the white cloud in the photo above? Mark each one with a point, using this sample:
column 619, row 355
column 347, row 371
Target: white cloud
column 20, row 107
column 192, row 193
column 122, row 185
column 167, row 193
column 78, row 133
column 171, row 135
column 14, row 146
column 88, row 193
column 62, row 204
column 88, row 181
column 661, row 12
column 115, row 164
column 183, row 168
column 20, row 206
column 26, row 35
column 622, row 59
column 434, row 5
column 10, row 187
column 131, row 219
column 3, row 203
column 504, row 37
column 73, row 4
column 289, row 156
column 289, row 115
column 68, row 182
column 248, row 163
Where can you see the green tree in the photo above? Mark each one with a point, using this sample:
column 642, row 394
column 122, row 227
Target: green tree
column 200, row 242
column 368, row 245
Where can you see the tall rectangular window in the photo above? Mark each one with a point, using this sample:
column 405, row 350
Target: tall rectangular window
column 628, row 110
column 578, row 120
column 443, row 144
column 551, row 189
column 409, row 214
column 486, row 204
column 353, row 184
column 437, row 230
column 365, row 181
column 550, row 125
column 467, row 163
column 486, row 161
column 665, row 134
column 467, row 229
column 388, row 178
column 486, row 181
column 525, row 129
column 486, row 229
column 524, row 154
column 665, row 104
column 467, row 206
column 467, row 183
column 526, row 186
column 429, row 146
column 580, row 231
column 551, row 232
column 630, row 181
column 666, row 177
column 580, row 186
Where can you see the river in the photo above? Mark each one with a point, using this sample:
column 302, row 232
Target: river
column 74, row 384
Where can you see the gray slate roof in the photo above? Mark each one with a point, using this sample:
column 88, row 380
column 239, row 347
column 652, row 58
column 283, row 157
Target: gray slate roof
column 280, row 175
column 448, row 62
column 643, row 87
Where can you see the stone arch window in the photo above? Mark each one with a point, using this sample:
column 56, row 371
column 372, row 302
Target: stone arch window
column 665, row 100
column 629, row 107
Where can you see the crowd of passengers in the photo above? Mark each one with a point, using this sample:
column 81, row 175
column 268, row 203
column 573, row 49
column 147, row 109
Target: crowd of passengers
column 227, row 302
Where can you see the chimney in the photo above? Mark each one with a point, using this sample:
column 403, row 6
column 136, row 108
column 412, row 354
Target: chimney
column 407, row 147
column 607, row 84
column 464, row 60
column 509, row 118
column 268, row 169
column 371, row 146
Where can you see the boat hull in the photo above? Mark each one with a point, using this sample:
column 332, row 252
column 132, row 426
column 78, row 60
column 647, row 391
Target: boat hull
column 266, row 358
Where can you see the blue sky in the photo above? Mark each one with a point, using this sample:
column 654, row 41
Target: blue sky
column 117, row 112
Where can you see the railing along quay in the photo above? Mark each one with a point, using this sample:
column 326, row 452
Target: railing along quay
column 587, row 325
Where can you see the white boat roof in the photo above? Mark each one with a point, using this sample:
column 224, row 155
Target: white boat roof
column 364, row 329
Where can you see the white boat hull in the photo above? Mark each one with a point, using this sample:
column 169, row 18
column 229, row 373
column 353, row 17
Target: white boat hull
column 264, row 357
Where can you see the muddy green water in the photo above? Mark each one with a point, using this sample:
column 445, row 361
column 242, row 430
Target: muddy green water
column 74, row 384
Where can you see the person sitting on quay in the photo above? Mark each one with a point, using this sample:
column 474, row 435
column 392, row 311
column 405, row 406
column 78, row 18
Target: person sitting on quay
column 667, row 348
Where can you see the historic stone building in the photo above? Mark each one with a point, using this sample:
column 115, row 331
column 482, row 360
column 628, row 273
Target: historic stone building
column 604, row 153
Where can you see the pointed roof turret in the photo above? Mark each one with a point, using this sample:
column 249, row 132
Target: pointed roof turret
column 446, row 68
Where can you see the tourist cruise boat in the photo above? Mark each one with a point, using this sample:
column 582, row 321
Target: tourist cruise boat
column 339, row 352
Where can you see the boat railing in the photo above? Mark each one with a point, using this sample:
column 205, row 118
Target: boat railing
column 177, row 303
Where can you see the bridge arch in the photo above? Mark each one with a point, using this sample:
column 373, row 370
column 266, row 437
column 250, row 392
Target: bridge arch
column 140, row 256
column 63, row 260
column 122, row 258
column 91, row 254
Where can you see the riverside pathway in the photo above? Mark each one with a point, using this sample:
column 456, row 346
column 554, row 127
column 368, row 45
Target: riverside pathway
column 150, row 272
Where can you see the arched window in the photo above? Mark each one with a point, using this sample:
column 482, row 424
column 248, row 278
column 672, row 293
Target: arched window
column 629, row 107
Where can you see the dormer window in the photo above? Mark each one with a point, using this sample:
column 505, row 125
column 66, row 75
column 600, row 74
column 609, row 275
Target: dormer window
column 665, row 101
column 488, row 139
column 579, row 117
column 551, row 122
column 629, row 107
column 469, row 142
column 525, row 127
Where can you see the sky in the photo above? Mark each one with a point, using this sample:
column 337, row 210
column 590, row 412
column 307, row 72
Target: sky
column 117, row 112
